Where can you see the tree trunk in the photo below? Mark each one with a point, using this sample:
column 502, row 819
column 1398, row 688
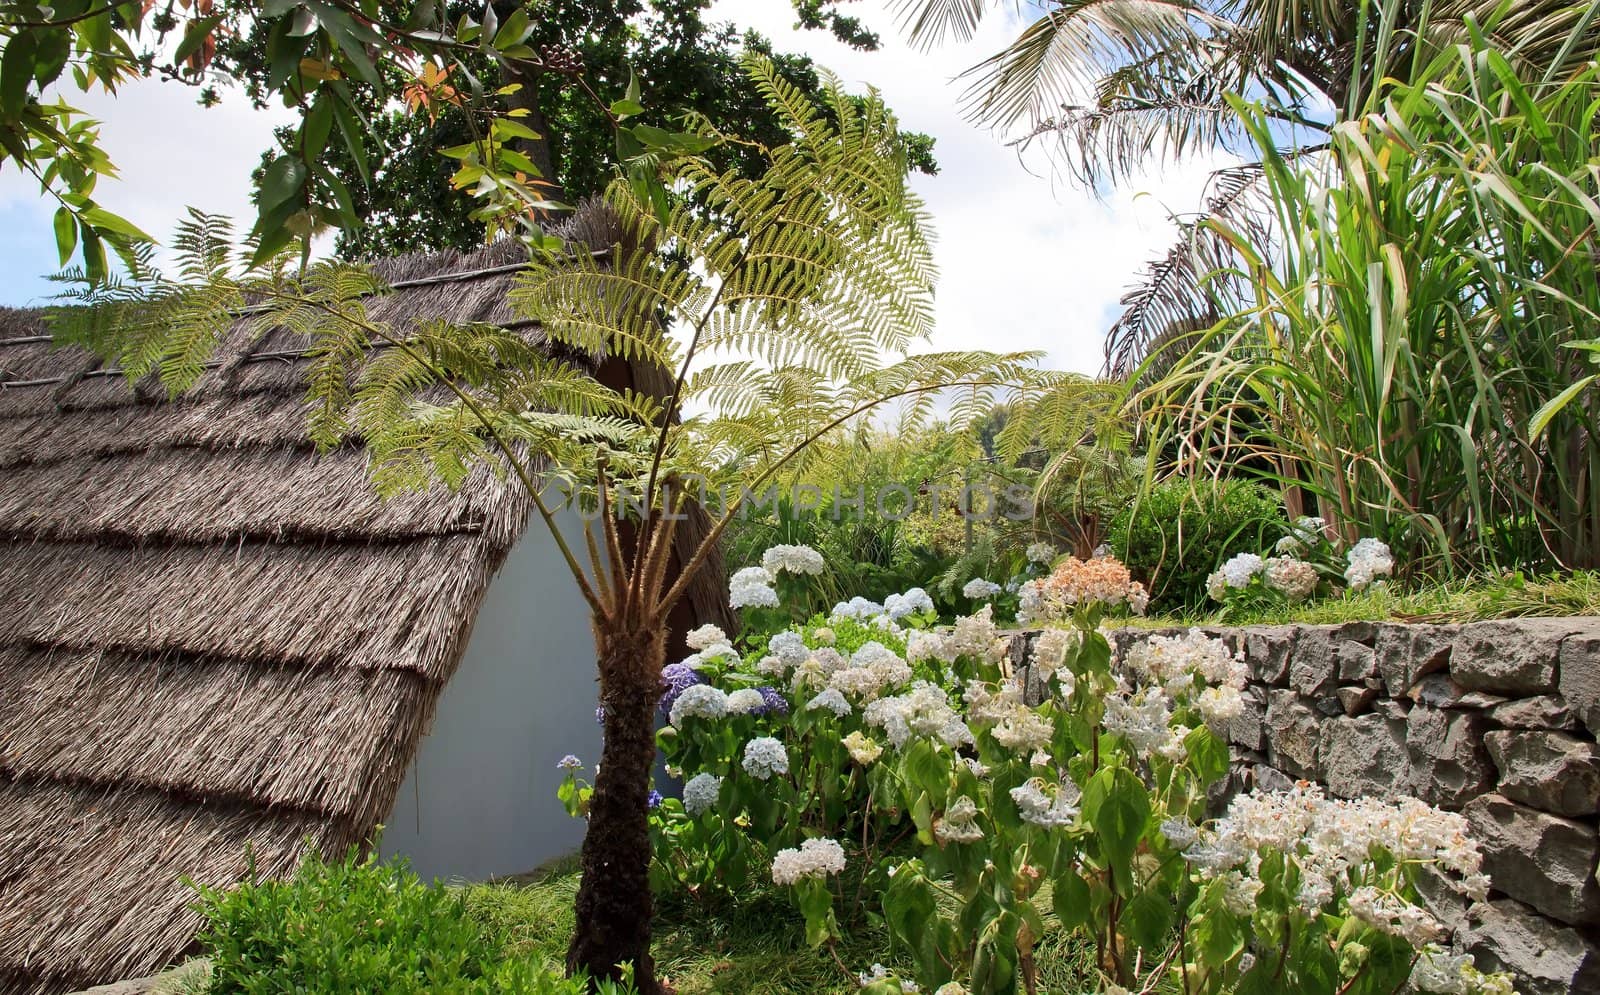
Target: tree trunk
column 613, row 907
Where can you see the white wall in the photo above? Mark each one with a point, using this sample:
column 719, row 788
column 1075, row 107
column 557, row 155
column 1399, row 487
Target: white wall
column 480, row 800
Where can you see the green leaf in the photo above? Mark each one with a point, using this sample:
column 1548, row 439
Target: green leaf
column 1070, row 899
column 1547, row 412
column 514, row 31
column 1119, row 816
column 105, row 221
column 1147, row 920
column 16, row 73
column 1208, row 754
column 624, row 109
column 66, row 226
column 280, row 181
column 195, row 35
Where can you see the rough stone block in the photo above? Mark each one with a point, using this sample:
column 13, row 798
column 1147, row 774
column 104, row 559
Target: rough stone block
column 1314, row 663
column 1449, row 765
column 1392, row 708
column 1439, row 691
column 1542, row 860
column 1264, row 777
column 1357, row 661
column 1514, row 657
column 1364, row 756
column 1266, row 652
column 1546, row 957
column 1545, row 711
column 1249, row 730
column 1294, row 735
column 1357, row 700
column 1549, row 771
column 1405, row 653
column 1580, row 674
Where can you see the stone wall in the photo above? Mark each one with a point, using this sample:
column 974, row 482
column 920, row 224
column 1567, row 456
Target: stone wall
column 1497, row 720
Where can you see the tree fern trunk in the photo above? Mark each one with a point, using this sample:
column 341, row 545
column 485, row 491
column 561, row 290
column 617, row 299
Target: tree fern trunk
column 614, row 907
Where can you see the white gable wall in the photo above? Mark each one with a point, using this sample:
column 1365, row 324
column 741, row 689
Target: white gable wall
column 480, row 799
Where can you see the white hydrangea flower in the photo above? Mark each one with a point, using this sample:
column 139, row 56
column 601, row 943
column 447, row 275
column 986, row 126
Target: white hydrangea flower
column 1037, row 806
column 1220, row 706
column 951, row 988
column 706, row 636
column 1022, row 730
column 752, row 588
column 913, row 602
column 976, row 635
column 792, row 559
column 700, row 793
column 772, row 666
column 830, row 700
column 816, row 858
column 923, row 711
column 744, row 701
column 857, row 608
column 824, row 636
column 764, row 757
column 1217, row 585
column 958, row 823
column 863, row 749
column 924, row 645
column 1369, row 560
column 1294, row 579
column 1238, row 571
column 977, row 589
column 1181, row 833
column 1040, row 552
column 698, row 701
column 790, row 647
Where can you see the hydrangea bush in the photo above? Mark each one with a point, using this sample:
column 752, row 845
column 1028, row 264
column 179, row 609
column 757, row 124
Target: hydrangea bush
column 1303, row 564
column 867, row 746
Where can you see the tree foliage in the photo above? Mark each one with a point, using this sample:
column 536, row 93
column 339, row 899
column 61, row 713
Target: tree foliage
column 402, row 190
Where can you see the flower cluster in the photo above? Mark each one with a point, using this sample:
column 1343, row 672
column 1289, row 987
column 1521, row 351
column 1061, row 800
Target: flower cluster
column 1294, row 579
column 700, row 701
column 1331, row 842
column 1102, row 580
column 700, row 793
column 792, row 559
column 979, row 589
column 764, row 757
column 752, row 588
column 1047, row 808
column 1041, row 553
column 924, row 711
column 815, row 858
column 1369, row 560
column 913, row 602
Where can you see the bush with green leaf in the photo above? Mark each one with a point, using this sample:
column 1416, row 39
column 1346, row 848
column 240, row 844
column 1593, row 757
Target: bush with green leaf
column 1177, row 533
column 361, row 925
column 879, row 770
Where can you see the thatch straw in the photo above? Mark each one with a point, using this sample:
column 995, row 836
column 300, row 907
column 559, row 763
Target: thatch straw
column 210, row 636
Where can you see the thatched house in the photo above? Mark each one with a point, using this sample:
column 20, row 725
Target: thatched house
column 212, row 638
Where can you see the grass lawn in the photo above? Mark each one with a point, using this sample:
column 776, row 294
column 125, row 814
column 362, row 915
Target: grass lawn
column 1476, row 599
column 756, row 946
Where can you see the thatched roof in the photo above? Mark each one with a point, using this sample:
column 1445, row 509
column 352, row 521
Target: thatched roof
column 212, row 638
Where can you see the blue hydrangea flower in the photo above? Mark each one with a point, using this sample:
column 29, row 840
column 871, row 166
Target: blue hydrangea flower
column 653, row 800
column 776, row 703
column 677, row 678
column 569, row 762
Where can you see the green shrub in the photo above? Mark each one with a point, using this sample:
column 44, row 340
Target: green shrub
column 359, row 925
column 1175, row 535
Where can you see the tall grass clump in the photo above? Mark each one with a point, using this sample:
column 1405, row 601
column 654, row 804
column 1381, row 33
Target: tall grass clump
column 1409, row 353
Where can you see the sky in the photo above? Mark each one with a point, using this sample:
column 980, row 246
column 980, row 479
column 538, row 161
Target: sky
column 1027, row 261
